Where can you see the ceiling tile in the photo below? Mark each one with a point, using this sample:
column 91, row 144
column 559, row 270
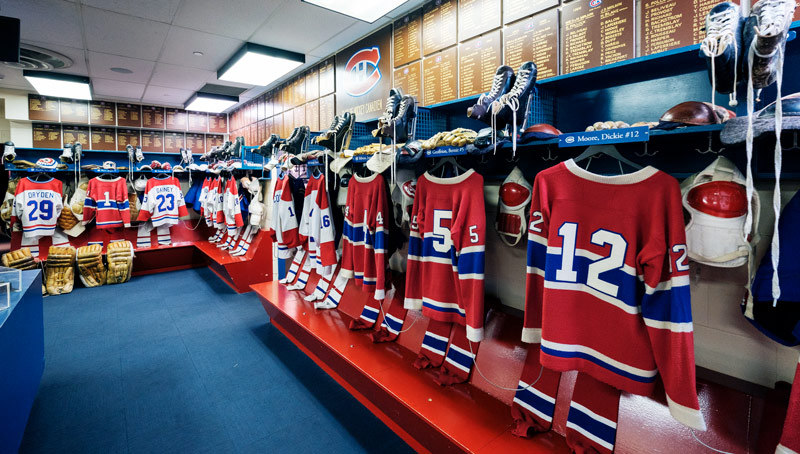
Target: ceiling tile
column 318, row 25
column 157, row 10
column 181, row 42
column 172, row 76
column 166, row 96
column 233, row 18
column 48, row 21
column 118, row 34
column 347, row 36
column 100, row 66
column 114, row 89
column 12, row 78
column 77, row 56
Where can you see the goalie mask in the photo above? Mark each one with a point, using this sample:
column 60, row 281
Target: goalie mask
column 515, row 195
column 716, row 200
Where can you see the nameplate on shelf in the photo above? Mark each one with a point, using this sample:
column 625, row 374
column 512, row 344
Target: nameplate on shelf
column 442, row 152
column 38, row 169
column 313, row 162
column 161, row 171
column 104, row 170
column 361, row 157
column 608, row 136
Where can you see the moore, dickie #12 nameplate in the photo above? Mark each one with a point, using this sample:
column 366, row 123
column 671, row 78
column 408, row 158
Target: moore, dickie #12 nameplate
column 608, row 136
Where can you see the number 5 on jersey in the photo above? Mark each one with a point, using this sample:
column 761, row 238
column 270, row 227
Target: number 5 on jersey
column 442, row 239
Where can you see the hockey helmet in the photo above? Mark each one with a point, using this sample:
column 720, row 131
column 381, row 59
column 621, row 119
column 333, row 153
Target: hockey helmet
column 515, row 195
column 764, row 121
column 403, row 196
column 694, row 113
column 46, row 164
column 541, row 131
column 140, row 184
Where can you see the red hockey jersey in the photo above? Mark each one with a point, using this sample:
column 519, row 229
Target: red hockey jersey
column 37, row 205
column 608, row 282
column 231, row 207
column 163, row 202
column 316, row 226
column 446, row 251
column 107, row 201
column 284, row 225
column 364, row 236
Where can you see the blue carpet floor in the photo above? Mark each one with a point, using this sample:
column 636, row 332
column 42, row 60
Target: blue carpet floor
column 178, row 362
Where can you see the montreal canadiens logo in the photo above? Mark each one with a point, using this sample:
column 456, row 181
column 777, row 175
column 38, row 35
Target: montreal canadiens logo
column 570, row 139
column 595, row 3
column 46, row 162
column 362, row 71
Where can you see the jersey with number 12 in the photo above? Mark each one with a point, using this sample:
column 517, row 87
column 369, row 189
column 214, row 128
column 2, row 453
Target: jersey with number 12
column 37, row 205
column 163, row 202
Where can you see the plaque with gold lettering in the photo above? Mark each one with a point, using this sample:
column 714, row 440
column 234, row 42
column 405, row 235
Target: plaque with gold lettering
column 262, row 131
column 439, row 27
column 277, row 125
column 176, row 119
column 42, row 108
column 517, row 9
column 299, row 115
column 174, row 141
column 76, row 134
column 253, row 111
column 288, row 123
column 596, row 35
column 669, row 24
column 127, row 137
column 439, row 76
column 46, row 135
column 129, row 115
column 478, row 60
column 327, row 83
column 153, row 117
column 312, row 115
column 327, row 110
column 261, row 108
column 103, row 113
column 268, row 127
column 198, row 121
column 409, row 79
column 299, row 89
column 74, row 111
column 287, row 97
column 476, row 17
column 212, row 140
column 408, row 39
column 218, row 123
column 312, row 84
column 534, row 39
column 153, row 141
column 269, row 105
column 195, row 141
column 104, row 139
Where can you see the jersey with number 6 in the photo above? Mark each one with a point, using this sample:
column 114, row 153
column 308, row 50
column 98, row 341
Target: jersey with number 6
column 107, row 203
column 608, row 282
column 446, row 251
column 37, row 205
column 316, row 227
column 163, row 202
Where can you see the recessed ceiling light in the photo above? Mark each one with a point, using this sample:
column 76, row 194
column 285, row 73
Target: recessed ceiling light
column 366, row 10
column 197, row 53
column 210, row 102
column 59, row 85
column 122, row 70
column 254, row 64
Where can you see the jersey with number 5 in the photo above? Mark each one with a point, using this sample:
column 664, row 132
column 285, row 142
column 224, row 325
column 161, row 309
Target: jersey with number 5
column 37, row 205
column 283, row 227
column 163, row 202
column 107, row 203
column 608, row 282
column 446, row 251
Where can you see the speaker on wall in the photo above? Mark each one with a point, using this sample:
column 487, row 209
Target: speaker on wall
column 9, row 39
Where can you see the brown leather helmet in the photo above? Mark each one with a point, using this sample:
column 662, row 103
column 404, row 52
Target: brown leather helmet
column 541, row 131
column 693, row 113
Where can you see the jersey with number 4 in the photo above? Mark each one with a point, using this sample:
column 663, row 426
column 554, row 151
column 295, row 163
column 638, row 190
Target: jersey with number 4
column 446, row 251
column 107, row 203
column 37, row 205
column 608, row 282
column 163, row 202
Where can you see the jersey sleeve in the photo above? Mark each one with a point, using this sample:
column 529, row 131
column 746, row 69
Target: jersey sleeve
column 347, row 238
column 381, row 230
column 90, row 203
column 146, row 210
column 274, row 219
column 17, row 208
column 182, row 211
column 327, row 231
column 537, row 261
column 413, row 294
column 469, row 242
column 123, row 203
column 304, row 226
column 288, row 219
column 667, row 312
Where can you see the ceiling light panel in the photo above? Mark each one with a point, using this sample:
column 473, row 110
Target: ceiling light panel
column 259, row 65
column 208, row 102
column 59, row 85
column 365, row 10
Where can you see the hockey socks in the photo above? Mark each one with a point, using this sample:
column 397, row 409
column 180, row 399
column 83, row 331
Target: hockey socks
column 535, row 401
column 163, row 235
column 790, row 438
column 369, row 315
column 215, row 238
column 592, row 420
column 143, row 235
column 233, row 237
column 244, row 243
column 335, row 295
column 302, row 279
column 393, row 318
column 294, row 267
column 460, row 357
column 32, row 244
column 322, row 287
column 434, row 345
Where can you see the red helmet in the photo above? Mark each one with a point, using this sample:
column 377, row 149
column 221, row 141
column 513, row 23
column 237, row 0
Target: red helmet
column 722, row 199
column 514, row 194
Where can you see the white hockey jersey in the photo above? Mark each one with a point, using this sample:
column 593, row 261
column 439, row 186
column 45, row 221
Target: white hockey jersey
column 163, row 202
column 284, row 225
column 37, row 205
column 231, row 206
column 316, row 226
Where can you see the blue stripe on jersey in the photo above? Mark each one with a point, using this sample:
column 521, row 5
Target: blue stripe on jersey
column 471, row 263
column 671, row 305
column 599, row 362
column 392, row 324
column 527, row 397
column 537, row 254
column 102, row 204
column 89, row 203
column 415, row 246
column 629, row 291
column 356, row 234
column 454, row 310
column 429, row 251
column 380, row 239
column 459, row 357
column 432, row 342
column 597, row 428
column 29, row 229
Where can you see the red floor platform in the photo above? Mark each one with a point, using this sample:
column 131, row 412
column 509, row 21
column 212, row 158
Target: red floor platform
column 475, row 417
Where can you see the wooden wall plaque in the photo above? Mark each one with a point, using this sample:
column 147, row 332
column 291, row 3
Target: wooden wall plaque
column 534, row 39
column 129, row 115
column 287, row 97
column 104, row 139
column 42, row 108
column 261, row 136
column 153, row 141
column 476, row 17
column 195, row 141
column 312, row 84
column 439, row 26
column 596, row 36
column 517, row 9
column 46, row 135
column 277, row 125
column 268, row 127
column 174, row 141
column 312, row 115
column 409, row 79
column 327, row 78
column 269, row 105
column 288, row 123
column 299, row 91
column 176, row 119
column 261, row 108
column 127, row 137
column 478, row 60
column 218, row 123
column 153, row 117
column 198, row 121
column 439, row 76
column 103, row 113
column 73, row 134
column 408, row 39
column 327, row 110
column 299, row 116
column 212, row 140
column 74, row 111
column 253, row 111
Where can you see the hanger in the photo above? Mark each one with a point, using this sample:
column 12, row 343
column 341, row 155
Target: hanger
column 107, row 176
column 448, row 160
column 39, row 175
column 610, row 151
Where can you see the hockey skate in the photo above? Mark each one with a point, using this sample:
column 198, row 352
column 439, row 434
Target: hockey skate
column 294, row 145
column 66, row 154
column 139, row 155
column 9, row 152
column 722, row 48
column 503, row 81
column 398, row 126
column 392, row 103
column 510, row 107
column 764, row 37
column 328, row 137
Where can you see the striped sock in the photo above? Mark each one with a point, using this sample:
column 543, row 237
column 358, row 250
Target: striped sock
column 334, row 296
column 535, row 401
column 163, row 235
column 592, row 420
column 460, row 357
column 434, row 345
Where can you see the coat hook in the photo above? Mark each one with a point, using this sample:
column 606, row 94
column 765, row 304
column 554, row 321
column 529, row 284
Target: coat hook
column 645, row 152
column 710, row 149
column 549, row 156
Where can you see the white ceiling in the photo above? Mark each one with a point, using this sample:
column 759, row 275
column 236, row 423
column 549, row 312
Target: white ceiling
column 155, row 39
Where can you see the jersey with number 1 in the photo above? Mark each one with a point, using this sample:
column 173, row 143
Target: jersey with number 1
column 107, row 203
column 284, row 225
column 37, row 205
column 163, row 202
column 446, row 251
column 608, row 282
